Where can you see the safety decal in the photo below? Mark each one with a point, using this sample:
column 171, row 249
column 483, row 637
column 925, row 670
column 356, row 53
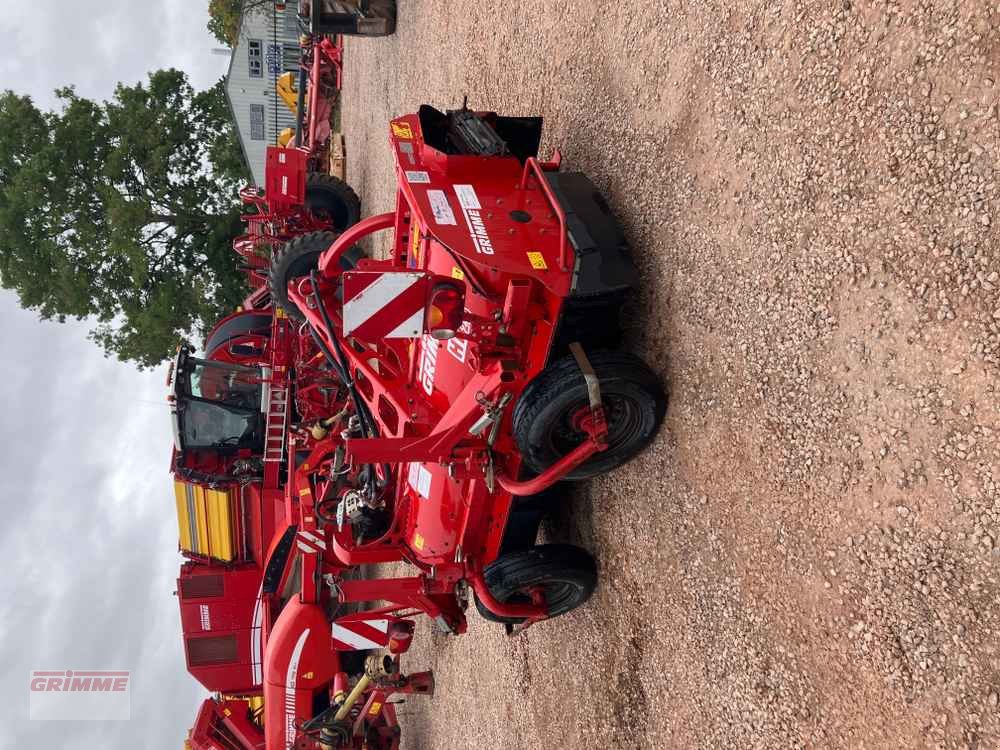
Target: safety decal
column 471, row 207
column 441, row 208
column 537, row 261
column 420, row 480
column 407, row 148
column 402, row 130
column 418, row 178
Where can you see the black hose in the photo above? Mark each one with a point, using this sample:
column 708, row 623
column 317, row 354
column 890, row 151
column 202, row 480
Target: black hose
column 369, row 428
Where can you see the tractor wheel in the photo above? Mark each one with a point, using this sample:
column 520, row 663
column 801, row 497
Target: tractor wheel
column 380, row 18
column 546, row 416
column 333, row 17
column 565, row 573
column 332, row 200
column 299, row 258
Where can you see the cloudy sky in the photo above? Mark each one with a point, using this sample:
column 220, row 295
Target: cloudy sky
column 89, row 539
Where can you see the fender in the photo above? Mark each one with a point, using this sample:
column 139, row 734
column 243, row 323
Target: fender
column 298, row 663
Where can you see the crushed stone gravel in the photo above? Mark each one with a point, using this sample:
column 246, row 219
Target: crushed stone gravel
column 808, row 554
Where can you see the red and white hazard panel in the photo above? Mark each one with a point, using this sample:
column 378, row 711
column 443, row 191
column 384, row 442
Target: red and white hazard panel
column 360, row 635
column 384, row 305
column 309, row 541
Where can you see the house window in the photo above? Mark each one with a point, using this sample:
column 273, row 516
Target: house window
column 256, row 122
column 255, row 55
column 291, row 56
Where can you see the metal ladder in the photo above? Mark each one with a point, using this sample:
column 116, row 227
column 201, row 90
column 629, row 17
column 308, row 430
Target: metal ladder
column 274, row 425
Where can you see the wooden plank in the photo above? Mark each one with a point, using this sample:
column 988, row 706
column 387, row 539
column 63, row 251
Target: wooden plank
column 338, row 156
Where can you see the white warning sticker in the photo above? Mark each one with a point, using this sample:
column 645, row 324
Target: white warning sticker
column 441, row 208
column 418, row 178
column 472, row 210
column 467, row 196
column 420, row 480
column 405, row 147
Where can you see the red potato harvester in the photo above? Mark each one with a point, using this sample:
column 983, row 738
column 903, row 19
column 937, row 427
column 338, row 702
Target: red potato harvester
column 480, row 357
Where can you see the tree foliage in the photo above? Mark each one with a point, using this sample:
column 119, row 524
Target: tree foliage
column 123, row 212
column 224, row 17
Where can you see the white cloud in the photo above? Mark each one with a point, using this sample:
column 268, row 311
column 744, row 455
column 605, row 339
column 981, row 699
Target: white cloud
column 90, row 536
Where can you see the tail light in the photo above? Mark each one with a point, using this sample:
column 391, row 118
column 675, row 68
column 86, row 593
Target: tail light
column 400, row 637
column 445, row 310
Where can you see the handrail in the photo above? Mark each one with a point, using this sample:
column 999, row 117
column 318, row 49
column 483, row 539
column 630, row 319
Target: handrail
column 533, row 165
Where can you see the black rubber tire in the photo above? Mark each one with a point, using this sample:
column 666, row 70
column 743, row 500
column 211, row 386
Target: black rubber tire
column 382, row 9
column 568, row 573
column 634, row 402
column 329, row 17
column 298, row 258
column 332, row 200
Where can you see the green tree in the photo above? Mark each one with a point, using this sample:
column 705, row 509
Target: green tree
column 224, row 17
column 123, row 212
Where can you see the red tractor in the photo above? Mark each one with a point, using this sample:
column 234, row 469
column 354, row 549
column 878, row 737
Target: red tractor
column 479, row 359
column 280, row 662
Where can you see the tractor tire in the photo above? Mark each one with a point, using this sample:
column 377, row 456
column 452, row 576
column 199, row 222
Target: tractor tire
column 332, row 200
column 634, row 403
column 333, row 17
column 380, row 19
column 299, row 258
column 568, row 575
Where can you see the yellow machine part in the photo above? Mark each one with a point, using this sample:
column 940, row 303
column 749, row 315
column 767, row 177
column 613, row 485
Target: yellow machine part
column 204, row 521
column 255, row 703
column 285, row 137
column 286, row 90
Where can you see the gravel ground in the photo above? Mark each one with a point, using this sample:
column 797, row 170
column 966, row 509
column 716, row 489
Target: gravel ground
column 807, row 556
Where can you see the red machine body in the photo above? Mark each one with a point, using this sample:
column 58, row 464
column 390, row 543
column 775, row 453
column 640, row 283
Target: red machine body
column 414, row 408
column 225, row 724
column 257, row 626
column 499, row 265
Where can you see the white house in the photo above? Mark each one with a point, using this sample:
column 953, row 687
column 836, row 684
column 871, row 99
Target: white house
column 268, row 46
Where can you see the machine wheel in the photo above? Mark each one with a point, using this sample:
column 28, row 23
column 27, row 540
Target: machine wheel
column 330, row 199
column 545, row 418
column 332, row 17
column 380, row 18
column 299, row 258
column 567, row 574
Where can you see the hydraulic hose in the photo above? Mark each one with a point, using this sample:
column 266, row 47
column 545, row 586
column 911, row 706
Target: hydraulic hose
column 343, row 368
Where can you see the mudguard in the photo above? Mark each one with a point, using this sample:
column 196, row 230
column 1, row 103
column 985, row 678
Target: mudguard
column 299, row 662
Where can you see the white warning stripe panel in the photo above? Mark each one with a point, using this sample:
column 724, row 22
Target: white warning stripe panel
column 317, row 540
column 380, row 625
column 410, row 328
column 352, row 639
column 256, row 634
column 376, row 296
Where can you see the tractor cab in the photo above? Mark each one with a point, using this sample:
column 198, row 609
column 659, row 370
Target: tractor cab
column 216, row 407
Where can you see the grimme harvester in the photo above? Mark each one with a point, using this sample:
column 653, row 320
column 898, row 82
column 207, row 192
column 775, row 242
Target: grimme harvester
column 414, row 408
column 479, row 361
